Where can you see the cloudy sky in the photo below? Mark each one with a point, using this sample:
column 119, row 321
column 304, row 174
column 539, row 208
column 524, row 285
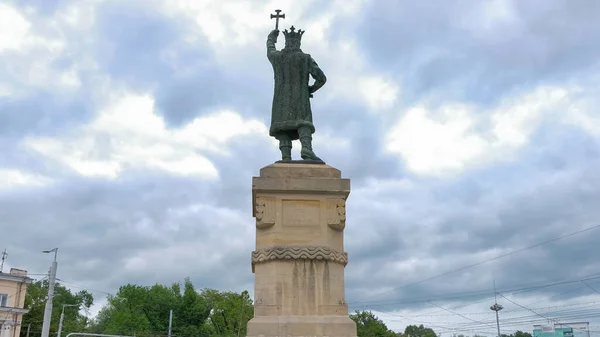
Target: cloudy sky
column 130, row 131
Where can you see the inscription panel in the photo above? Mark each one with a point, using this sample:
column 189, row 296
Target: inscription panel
column 301, row 213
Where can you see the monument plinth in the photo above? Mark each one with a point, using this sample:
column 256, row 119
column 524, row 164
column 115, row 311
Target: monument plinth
column 299, row 261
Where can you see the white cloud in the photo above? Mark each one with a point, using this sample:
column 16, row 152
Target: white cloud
column 351, row 79
column 583, row 111
column 236, row 22
column 129, row 134
column 235, row 25
column 428, row 145
column 378, row 92
column 30, row 43
column 447, row 140
column 13, row 28
column 489, row 16
column 13, row 178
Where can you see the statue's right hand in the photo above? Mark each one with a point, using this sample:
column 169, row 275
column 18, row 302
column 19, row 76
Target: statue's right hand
column 274, row 33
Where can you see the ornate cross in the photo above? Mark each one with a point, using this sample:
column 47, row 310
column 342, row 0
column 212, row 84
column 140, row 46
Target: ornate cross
column 276, row 16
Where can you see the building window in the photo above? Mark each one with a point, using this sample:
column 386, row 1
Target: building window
column 3, row 300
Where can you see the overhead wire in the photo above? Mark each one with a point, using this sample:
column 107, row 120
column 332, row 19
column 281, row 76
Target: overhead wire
column 516, row 321
column 517, row 289
column 479, row 263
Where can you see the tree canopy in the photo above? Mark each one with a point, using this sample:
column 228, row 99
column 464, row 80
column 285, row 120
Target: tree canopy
column 35, row 301
column 517, row 333
column 418, row 331
column 368, row 325
column 143, row 311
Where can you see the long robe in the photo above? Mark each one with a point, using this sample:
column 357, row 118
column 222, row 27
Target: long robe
column 291, row 98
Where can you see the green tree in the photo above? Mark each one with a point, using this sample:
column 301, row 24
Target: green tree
column 144, row 311
column 230, row 312
column 191, row 317
column 35, row 301
column 418, row 331
column 125, row 312
column 518, row 333
column 368, row 325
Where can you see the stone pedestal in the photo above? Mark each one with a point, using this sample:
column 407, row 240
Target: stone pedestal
column 299, row 261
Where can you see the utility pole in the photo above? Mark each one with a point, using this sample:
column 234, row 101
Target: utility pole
column 496, row 307
column 170, row 321
column 48, row 309
column 62, row 317
column 28, row 328
column 4, row 255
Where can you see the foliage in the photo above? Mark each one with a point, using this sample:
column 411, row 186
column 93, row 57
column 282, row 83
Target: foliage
column 368, row 325
column 35, row 301
column 230, row 312
column 144, row 311
column 518, row 333
column 418, row 331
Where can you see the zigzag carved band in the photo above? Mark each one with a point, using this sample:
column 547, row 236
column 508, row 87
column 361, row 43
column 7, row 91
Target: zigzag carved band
column 299, row 253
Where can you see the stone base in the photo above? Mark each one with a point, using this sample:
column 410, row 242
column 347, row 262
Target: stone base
column 302, row 161
column 301, row 326
column 300, row 211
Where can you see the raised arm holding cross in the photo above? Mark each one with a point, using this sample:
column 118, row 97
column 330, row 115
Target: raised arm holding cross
column 276, row 16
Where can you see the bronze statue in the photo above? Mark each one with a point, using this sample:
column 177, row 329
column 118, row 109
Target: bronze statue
column 291, row 115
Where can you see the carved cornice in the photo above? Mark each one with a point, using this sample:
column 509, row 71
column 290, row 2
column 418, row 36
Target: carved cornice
column 336, row 214
column 318, row 253
column 265, row 212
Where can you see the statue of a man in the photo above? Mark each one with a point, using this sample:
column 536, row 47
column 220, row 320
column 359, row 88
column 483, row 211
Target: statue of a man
column 291, row 116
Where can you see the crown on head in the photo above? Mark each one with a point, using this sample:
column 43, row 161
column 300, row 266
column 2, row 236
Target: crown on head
column 293, row 37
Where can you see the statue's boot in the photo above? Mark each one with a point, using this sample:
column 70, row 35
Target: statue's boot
column 285, row 146
column 307, row 152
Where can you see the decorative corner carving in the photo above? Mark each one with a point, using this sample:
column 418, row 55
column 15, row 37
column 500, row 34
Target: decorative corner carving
column 336, row 214
column 265, row 212
column 298, row 253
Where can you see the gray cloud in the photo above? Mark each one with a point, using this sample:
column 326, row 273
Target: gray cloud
column 179, row 226
column 429, row 45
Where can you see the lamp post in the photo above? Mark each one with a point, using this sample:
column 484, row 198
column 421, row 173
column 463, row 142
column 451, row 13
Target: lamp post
column 51, row 280
column 496, row 307
column 62, row 316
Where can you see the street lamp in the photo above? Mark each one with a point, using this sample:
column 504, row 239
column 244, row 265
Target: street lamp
column 496, row 307
column 51, row 280
column 54, row 250
column 62, row 316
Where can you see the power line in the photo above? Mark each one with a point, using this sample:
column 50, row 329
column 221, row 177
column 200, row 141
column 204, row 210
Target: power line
column 515, row 321
column 515, row 303
column 458, row 314
column 565, row 314
column 589, row 286
column 516, row 289
column 507, row 311
column 85, row 288
column 572, row 312
column 507, row 322
column 480, row 263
